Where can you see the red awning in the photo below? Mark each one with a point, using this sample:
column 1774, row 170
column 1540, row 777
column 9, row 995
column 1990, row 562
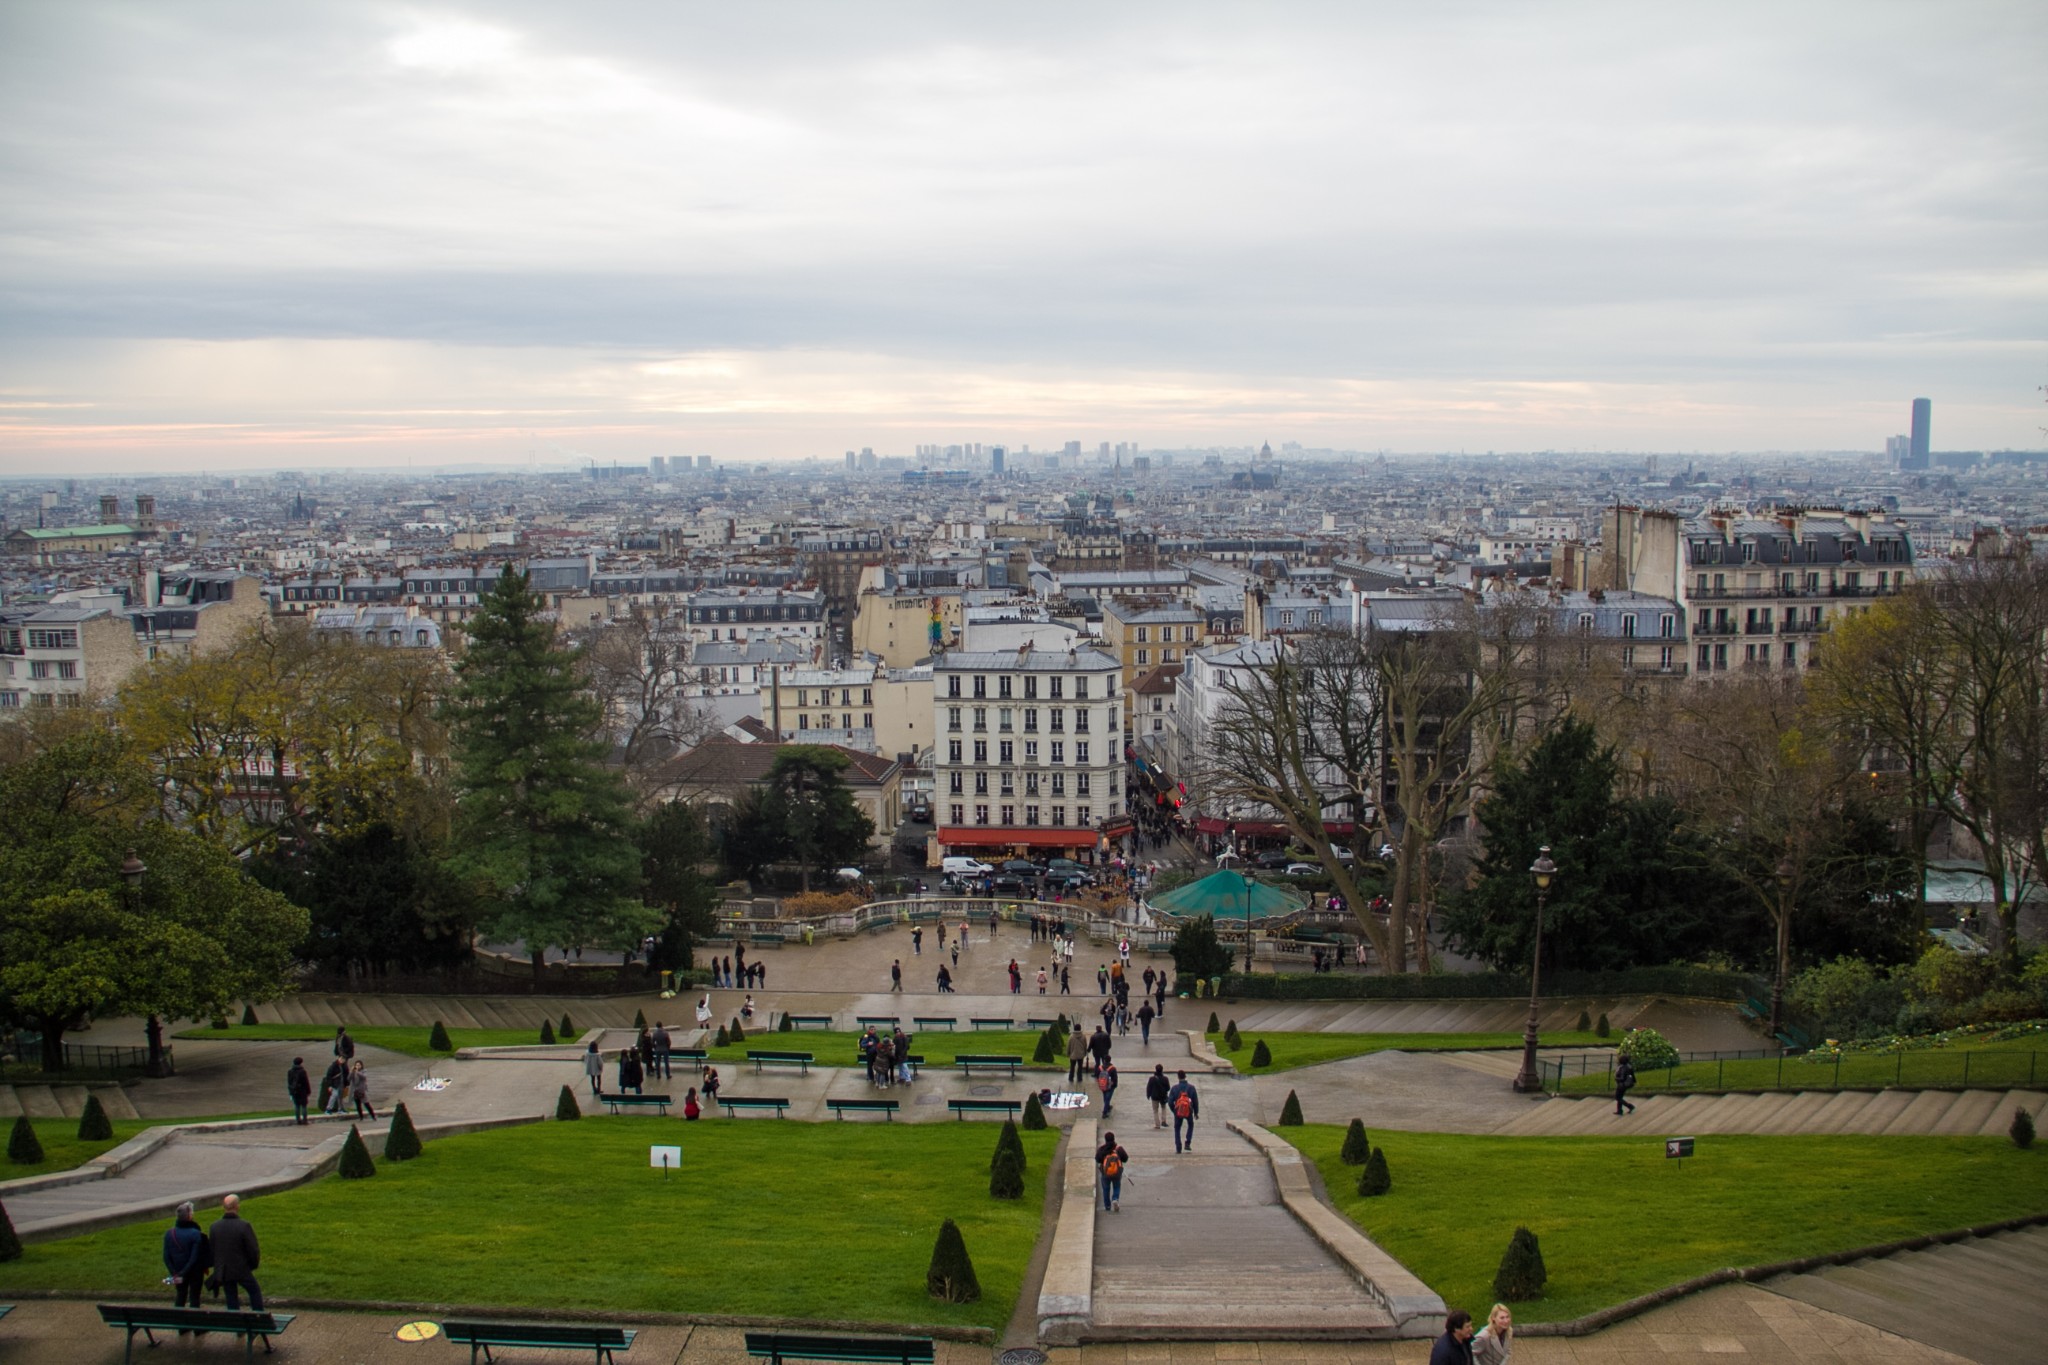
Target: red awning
column 1264, row 829
column 996, row 836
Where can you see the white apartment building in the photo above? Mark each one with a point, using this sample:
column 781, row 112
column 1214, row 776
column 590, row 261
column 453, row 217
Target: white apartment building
column 1027, row 752
column 745, row 614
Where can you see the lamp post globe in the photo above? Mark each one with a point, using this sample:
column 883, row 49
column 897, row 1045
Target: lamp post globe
column 1541, row 872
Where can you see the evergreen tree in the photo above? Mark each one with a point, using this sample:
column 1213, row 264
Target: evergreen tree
column 808, row 800
column 541, row 822
column 1261, row 1055
column 736, row 1034
column 93, row 1124
column 2022, row 1130
column 1231, row 1041
column 1290, row 1112
column 248, row 1014
column 10, row 1241
column 723, row 1039
column 547, row 1031
column 1034, row 1114
column 1197, row 952
column 1374, row 1179
column 1521, row 1274
column 1043, row 1053
column 1602, row 1029
column 675, row 844
column 788, row 1024
column 402, row 1143
column 566, row 1107
column 23, row 1146
column 437, row 1040
column 1008, row 1141
column 355, row 1161
column 639, row 1020
column 566, row 1030
column 1214, row 1025
column 1357, row 1150
column 1006, row 1177
column 951, row 1276
column 1585, row 1024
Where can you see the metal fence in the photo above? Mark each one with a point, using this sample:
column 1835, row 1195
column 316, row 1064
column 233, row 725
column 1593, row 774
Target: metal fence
column 24, row 1052
column 1707, row 1072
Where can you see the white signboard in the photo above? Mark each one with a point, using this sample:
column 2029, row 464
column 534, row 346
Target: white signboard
column 667, row 1158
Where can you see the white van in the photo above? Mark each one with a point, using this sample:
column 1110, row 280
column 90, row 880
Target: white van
column 966, row 867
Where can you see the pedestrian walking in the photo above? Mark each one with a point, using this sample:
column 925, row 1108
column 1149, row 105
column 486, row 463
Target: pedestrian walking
column 1041, row 980
column 896, row 975
column 359, row 1091
column 187, row 1254
column 1110, row 1160
column 333, row 1086
column 1624, row 1081
column 1066, row 981
column 1145, row 1016
column 916, row 941
column 1495, row 1342
column 1106, row 1081
column 1102, row 978
column 593, row 1067
column 1016, row 978
column 1098, row 1047
column 1159, row 995
column 1156, row 1087
column 644, row 1045
column 344, row 1047
column 664, row 1048
column 1077, row 1055
column 299, row 1086
column 1454, row 1347
column 235, row 1255
column 1187, row 1107
column 956, row 952
column 945, row 980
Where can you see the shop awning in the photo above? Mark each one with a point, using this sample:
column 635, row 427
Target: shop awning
column 999, row 836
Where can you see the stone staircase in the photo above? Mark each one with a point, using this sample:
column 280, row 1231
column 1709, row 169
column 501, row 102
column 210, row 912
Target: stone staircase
column 1921, row 1294
column 63, row 1101
column 1948, row 1113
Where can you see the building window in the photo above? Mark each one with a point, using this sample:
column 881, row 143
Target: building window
column 1031, row 751
column 1667, row 625
column 1030, row 687
column 1059, row 720
column 1031, row 784
column 1003, row 719
column 1144, row 657
column 981, row 719
column 956, row 783
column 52, row 639
column 1585, row 623
column 953, row 718
column 1143, row 635
column 1705, row 659
column 1664, row 658
column 1005, row 751
column 1080, row 689
column 981, row 751
column 1720, row 656
column 981, row 784
column 1056, row 681
column 1059, row 752
column 1059, row 817
column 1158, row 725
column 1009, row 815
column 1031, row 720
column 1081, row 815
column 980, row 685
column 1791, row 655
column 953, row 751
column 1059, row 784
column 1031, row 815
column 867, row 720
column 1315, row 618
column 953, row 685
column 1081, row 723
column 1286, row 618
column 1080, row 751
column 981, row 815
column 1003, row 686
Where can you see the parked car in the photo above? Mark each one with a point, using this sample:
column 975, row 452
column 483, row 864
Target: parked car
column 1022, row 867
column 1304, row 869
column 1066, row 869
column 1009, row 884
column 1272, row 860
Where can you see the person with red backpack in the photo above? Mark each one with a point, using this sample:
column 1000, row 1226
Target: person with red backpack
column 1186, row 1106
column 1110, row 1160
column 1105, row 1077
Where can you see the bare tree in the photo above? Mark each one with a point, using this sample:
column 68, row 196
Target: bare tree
column 635, row 666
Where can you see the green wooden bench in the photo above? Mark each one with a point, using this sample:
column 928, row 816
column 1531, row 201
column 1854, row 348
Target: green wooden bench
column 962, row 1108
column 599, row 1338
column 1753, row 1008
column 618, row 1102
column 1041, row 1023
column 884, row 1107
column 945, row 1021
column 769, row 1057
column 689, row 1054
column 880, row 1020
column 1004, row 1024
column 1795, row 1039
column 968, row 1063
column 776, row 1347
column 149, row 1319
column 797, row 1021
column 734, row 1102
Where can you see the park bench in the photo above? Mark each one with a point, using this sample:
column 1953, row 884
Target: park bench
column 618, row 1102
column 1041, row 1023
column 560, row 1336
column 968, row 1062
column 1794, row 1038
column 761, row 1058
column 1004, row 1024
column 916, row 1061
column 766, row 940
column 689, row 1054
column 881, row 1020
column 944, row 1021
column 733, row 1102
column 797, row 1021
column 149, row 1319
column 776, row 1347
column 1753, row 1009
column 962, row 1108
column 885, row 1107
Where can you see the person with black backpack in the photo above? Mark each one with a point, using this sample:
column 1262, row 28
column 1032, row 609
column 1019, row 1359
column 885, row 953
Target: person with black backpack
column 1624, row 1081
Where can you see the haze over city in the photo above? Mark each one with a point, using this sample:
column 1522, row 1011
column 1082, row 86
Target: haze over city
column 240, row 236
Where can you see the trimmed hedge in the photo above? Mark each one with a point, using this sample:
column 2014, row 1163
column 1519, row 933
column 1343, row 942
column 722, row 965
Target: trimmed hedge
column 1697, row 982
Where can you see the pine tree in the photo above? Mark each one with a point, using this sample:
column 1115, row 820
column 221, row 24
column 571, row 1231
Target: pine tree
column 541, row 822
column 1215, row 1025
column 248, row 1014
column 1290, row 1112
column 1374, row 1179
column 547, row 1031
column 951, row 1276
column 1601, row 1029
column 723, row 1039
column 355, row 1158
column 1521, row 1274
column 736, row 1033
column 1034, row 1114
column 402, row 1143
column 566, row 1107
column 10, row 1241
column 639, row 1019
column 1585, row 1024
column 1006, row 1177
column 23, row 1146
column 788, row 1024
column 1043, row 1052
column 1231, row 1041
column 1261, row 1055
column 1357, row 1150
column 437, row 1041
column 566, row 1031
column 93, row 1124
column 1008, row 1141
column 2022, row 1130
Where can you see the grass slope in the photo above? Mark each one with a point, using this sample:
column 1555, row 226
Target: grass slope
column 62, row 1150
column 809, row 1220
column 2006, row 1064
column 1291, row 1050
column 410, row 1041
column 1617, row 1219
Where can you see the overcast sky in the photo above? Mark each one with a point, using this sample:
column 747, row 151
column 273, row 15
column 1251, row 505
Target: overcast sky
column 347, row 234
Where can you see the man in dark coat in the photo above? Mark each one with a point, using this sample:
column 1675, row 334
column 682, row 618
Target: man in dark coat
column 186, row 1258
column 235, row 1255
column 299, row 1086
column 1183, row 1097
column 1454, row 1347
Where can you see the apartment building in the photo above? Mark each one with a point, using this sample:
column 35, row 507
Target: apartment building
column 67, row 653
column 743, row 614
column 1144, row 633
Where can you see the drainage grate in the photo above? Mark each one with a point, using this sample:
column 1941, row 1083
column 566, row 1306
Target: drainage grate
column 984, row 1090
column 1021, row 1355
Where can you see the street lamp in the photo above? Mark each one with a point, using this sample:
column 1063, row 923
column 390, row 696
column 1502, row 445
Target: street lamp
column 1785, row 873
column 1541, row 871
column 132, row 870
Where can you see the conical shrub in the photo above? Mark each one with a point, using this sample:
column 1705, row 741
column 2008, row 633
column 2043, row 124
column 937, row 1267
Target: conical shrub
column 1261, row 1055
column 355, row 1158
column 1231, row 1041
column 639, row 1019
column 1043, row 1052
column 736, row 1033
column 723, row 1039
column 1521, row 1274
column 1357, row 1150
column 10, row 1241
column 2022, row 1130
column 93, row 1124
column 437, row 1041
column 1585, row 1024
column 1601, row 1029
column 788, row 1024
column 1215, row 1025
column 565, row 1029
column 1034, row 1114
column 951, row 1276
column 1006, row 1177
column 1290, row 1112
column 23, row 1145
column 1008, row 1141
column 547, row 1031
column 248, row 1014
column 402, row 1143
column 1374, row 1179
column 566, row 1106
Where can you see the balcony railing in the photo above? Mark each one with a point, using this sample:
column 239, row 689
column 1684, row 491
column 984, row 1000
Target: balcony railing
column 1713, row 628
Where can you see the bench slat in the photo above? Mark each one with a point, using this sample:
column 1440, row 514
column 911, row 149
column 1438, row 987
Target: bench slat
column 777, row 1346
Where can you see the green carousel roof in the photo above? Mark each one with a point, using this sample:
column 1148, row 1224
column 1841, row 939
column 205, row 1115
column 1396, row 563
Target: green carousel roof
column 1222, row 894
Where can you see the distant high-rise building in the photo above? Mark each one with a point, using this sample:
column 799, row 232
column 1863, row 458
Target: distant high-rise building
column 657, row 465
column 1898, row 450
column 850, row 458
column 1923, row 429
column 703, row 461
column 995, row 461
column 1073, row 451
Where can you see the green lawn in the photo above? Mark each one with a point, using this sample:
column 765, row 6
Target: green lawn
column 410, row 1041
column 2006, row 1064
column 936, row 1046
column 62, row 1150
column 1616, row 1219
column 809, row 1220
column 1291, row 1050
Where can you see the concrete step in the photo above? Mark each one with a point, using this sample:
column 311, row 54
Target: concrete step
column 1921, row 1113
column 1967, row 1114
column 1792, row 1110
column 114, row 1099
column 1999, row 1120
column 1882, row 1110
column 10, row 1103
column 1833, row 1113
column 70, row 1099
column 38, row 1102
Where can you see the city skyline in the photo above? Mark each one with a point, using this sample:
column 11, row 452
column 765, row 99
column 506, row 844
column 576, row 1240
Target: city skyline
column 378, row 235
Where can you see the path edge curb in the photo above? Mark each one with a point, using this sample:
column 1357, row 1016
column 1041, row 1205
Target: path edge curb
column 1066, row 1294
